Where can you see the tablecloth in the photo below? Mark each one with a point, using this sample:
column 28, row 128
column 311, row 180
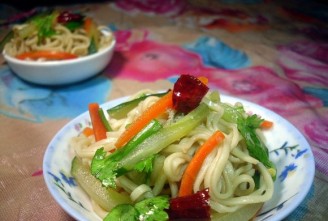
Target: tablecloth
column 273, row 53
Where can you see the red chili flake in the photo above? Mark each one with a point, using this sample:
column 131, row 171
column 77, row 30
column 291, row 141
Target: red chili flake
column 188, row 91
column 67, row 16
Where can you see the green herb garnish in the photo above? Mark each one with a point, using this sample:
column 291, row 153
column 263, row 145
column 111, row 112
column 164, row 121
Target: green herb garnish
column 44, row 24
column 247, row 125
column 151, row 209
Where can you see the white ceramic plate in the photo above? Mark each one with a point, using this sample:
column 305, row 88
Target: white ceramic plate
column 288, row 149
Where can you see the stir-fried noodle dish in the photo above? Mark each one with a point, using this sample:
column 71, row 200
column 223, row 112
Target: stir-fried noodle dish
column 178, row 154
column 56, row 36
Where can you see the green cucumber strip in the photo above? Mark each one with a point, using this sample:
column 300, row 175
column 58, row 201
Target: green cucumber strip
column 104, row 120
column 120, row 111
column 107, row 198
column 93, row 46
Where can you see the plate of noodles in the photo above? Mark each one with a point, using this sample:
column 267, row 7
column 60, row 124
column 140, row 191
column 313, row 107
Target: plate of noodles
column 54, row 48
column 192, row 176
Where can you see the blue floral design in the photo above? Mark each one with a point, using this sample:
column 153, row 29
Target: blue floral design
column 289, row 168
column 300, row 153
column 60, row 183
column 68, row 179
column 22, row 100
column 276, row 208
column 285, row 148
column 215, row 53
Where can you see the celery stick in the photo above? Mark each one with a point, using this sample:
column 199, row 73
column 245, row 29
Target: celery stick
column 106, row 168
column 126, row 158
column 165, row 137
column 149, row 130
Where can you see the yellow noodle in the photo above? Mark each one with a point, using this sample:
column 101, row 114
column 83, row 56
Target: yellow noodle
column 159, row 183
column 174, row 165
column 227, row 171
column 64, row 40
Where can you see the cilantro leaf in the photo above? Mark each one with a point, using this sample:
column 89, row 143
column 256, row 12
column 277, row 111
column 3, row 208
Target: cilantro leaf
column 150, row 209
column 44, row 24
column 153, row 209
column 104, row 169
column 247, row 125
column 73, row 25
column 107, row 168
column 122, row 212
column 145, row 165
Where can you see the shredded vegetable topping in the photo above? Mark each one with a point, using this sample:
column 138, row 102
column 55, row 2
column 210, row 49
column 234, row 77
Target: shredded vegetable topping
column 56, row 36
column 183, row 154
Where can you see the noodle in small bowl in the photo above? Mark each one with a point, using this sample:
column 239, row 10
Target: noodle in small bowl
column 63, row 71
column 288, row 149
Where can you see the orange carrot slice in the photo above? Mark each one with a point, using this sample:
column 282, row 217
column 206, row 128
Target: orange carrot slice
column 99, row 129
column 196, row 163
column 88, row 131
column 48, row 55
column 88, row 23
column 266, row 124
column 158, row 108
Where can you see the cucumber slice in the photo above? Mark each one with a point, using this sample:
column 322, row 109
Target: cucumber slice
column 247, row 212
column 107, row 198
column 120, row 111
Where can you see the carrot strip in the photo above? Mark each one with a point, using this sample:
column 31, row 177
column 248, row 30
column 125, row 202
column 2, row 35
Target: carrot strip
column 88, row 131
column 88, row 25
column 266, row 124
column 196, row 163
column 151, row 113
column 48, row 55
column 99, row 129
column 203, row 79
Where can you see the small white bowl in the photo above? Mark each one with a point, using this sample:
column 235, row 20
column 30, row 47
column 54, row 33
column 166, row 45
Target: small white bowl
column 61, row 72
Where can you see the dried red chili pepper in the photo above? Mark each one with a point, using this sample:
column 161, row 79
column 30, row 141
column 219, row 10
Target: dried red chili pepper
column 188, row 91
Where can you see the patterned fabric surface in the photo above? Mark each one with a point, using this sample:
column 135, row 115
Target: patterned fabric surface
column 273, row 54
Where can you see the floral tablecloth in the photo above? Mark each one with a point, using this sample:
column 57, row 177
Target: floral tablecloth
column 273, row 54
